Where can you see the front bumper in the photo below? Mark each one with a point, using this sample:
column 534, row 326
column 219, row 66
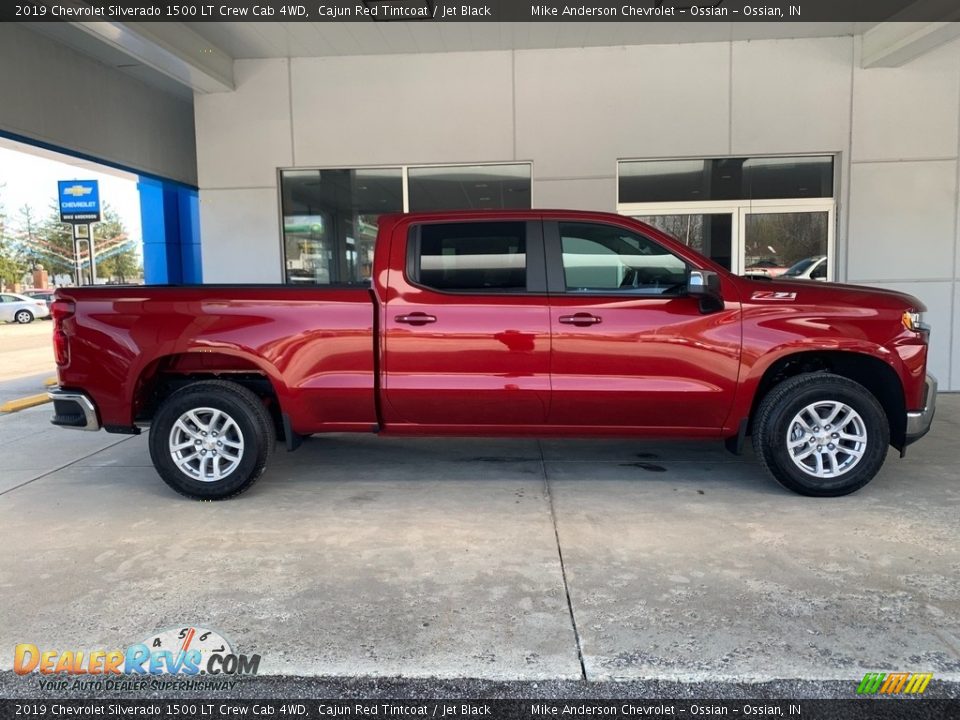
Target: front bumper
column 73, row 410
column 918, row 422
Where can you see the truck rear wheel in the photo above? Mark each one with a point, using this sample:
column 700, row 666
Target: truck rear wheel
column 210, row 440
column 821, row 434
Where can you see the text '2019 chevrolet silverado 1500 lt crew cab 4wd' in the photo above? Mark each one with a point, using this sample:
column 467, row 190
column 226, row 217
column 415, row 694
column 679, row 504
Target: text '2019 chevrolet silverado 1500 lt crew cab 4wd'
column 538, row 323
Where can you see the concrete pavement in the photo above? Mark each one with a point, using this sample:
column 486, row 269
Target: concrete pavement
column 494, row 559
column 26, row 359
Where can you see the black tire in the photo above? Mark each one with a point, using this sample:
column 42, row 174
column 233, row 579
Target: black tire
column 252, row 421
column 775, row 419
column 23, row 317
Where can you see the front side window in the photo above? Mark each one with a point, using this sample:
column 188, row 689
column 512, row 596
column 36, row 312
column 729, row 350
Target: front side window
column 604, row 258
column 471, row 256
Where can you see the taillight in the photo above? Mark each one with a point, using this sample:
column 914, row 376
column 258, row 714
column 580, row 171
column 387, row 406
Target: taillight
column 61, row 348
column 61, row 310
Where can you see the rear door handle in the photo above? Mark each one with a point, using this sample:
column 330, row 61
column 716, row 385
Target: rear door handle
column 580, row 319
column 416, row 318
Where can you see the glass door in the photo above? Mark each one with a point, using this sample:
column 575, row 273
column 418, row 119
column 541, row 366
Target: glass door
column 765, row 216
column 763, row 238
column 711, row 232
column 789, row 241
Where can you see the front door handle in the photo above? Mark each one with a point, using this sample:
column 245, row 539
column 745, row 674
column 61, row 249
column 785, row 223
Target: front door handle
column 581, row 319
column 416, row 318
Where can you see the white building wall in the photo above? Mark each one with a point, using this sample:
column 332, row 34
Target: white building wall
column 574, row 112
column 904, row 228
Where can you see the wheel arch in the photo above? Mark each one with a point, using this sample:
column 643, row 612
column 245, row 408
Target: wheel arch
column 168, row 373
column 873, row 373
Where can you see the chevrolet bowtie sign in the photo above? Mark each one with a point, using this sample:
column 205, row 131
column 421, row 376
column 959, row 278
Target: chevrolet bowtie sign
column 79, row 201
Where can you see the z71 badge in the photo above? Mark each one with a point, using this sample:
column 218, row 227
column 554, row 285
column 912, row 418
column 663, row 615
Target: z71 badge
column 774, row 295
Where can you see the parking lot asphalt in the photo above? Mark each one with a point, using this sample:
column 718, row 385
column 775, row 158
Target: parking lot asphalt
column 529, row 560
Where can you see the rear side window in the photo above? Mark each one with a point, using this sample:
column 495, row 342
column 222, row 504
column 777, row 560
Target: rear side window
column 472, row 256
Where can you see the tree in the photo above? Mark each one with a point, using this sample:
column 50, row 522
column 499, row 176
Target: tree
column 116, row 257
column 54, row 244
column 12, row 265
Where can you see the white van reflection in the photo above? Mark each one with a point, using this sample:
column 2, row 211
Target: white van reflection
column 811, row 268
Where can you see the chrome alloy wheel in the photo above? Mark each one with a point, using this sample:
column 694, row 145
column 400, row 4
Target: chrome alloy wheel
column 206, row 444
column 826, row 439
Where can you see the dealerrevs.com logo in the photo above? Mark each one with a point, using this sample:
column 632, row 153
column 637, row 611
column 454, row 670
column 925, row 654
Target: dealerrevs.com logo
column 185, row 651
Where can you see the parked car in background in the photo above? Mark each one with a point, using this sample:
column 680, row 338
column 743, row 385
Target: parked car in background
column 21, row 309
column 45, row 295
column 811, row 268
column 765, row 268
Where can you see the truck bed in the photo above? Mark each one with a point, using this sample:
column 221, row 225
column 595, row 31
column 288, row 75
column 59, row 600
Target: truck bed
column 311, row 343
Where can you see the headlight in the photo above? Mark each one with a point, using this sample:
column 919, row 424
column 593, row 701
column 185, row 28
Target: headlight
column 914, row 321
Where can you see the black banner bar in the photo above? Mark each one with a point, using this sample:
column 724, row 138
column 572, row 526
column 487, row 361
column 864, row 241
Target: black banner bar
column 210, row 709
column 474, row 11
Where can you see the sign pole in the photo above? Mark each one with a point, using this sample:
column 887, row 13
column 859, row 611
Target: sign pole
column 93, row 257
column 79, row 202
column 78, row 269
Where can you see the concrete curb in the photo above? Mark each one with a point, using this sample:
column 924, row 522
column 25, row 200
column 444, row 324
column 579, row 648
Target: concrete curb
column 24, row 403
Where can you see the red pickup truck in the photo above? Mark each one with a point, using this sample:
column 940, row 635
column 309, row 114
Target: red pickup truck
column 538, row 323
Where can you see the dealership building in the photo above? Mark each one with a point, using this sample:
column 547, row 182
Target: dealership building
column 266, row 151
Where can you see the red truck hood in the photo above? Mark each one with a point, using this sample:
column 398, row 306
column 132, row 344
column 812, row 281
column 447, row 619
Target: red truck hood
column 815, row 292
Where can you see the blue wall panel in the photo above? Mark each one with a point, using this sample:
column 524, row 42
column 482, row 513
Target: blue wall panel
column 170, row 218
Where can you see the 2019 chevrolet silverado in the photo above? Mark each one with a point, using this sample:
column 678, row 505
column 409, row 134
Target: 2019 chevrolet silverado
column 537, row 323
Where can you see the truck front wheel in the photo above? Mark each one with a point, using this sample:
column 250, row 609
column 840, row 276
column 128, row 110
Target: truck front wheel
column 821, row 434
column 210, row 440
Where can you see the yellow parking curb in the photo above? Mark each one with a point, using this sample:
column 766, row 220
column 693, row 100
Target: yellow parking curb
column 24, row 403
column 50, row 382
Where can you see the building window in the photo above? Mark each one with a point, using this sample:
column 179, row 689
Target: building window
column 470, row 187
column 330, row 216
column 767, row 178
column 330, row 222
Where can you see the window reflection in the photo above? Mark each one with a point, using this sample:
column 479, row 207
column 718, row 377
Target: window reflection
column 709, row 234
column 792, row 244
column 484, row 256
column 603, row 258
column 642, row 181
column 330, row 222
column 470, row 187
column 330, row 216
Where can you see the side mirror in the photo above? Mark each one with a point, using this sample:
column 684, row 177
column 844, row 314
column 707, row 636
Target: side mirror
column 705, row 284
column 702, row 282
